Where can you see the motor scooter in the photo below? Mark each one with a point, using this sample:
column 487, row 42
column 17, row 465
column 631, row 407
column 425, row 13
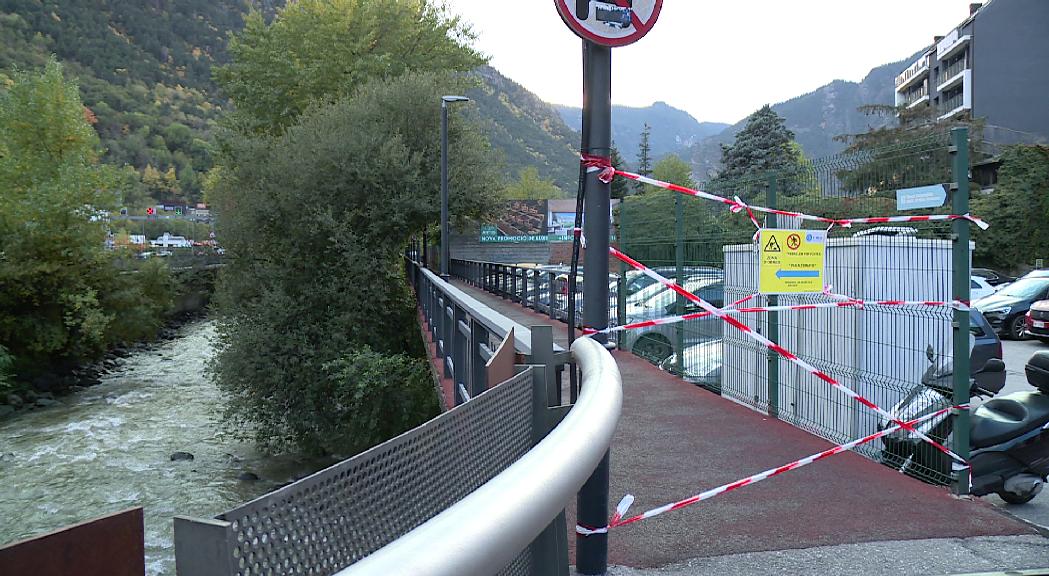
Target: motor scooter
column 1008, row 435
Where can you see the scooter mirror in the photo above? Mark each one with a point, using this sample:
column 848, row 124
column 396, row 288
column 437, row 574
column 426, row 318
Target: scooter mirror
column 930, row 353
column 992, row 365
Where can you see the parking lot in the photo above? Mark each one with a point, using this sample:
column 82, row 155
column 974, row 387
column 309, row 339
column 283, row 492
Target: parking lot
column 1016, row 354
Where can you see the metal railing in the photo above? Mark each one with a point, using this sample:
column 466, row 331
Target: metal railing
column 486, row 530
column 471, row 472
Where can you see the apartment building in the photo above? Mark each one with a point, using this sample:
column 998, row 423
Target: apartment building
column 994, row 66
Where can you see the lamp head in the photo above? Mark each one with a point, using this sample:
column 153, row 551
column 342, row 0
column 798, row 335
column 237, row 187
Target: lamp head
column 454, row 99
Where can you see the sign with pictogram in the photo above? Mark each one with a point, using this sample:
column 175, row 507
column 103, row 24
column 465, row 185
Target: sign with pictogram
column 791, row 261
column 610, row 22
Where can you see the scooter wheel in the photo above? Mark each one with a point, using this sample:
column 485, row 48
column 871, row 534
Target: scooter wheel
column 1017, row 498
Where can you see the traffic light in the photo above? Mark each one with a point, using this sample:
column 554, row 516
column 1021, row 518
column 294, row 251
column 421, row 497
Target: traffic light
column 150, row 211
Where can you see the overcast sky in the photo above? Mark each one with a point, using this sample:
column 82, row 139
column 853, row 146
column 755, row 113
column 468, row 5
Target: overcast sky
column 719, row 60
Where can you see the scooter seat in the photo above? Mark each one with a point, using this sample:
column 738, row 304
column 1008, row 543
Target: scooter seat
column 1004, row 418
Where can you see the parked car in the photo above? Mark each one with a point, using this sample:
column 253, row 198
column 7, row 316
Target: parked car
column 979, row 288
column 993, row 277
column 655, row 343
column 1007, row 308
column 1037, row 321
column 637, row 281
column 700, row 364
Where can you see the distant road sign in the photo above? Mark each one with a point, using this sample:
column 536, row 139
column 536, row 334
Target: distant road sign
column 791, row 261
column 921, row 197
column 610, row 22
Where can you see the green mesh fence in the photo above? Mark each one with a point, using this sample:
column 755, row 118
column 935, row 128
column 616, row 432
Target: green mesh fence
column 878, row 352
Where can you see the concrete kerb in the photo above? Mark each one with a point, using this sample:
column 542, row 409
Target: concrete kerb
column 1026, row 555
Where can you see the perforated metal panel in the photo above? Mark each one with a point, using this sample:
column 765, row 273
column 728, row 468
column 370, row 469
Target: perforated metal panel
column 328, row 521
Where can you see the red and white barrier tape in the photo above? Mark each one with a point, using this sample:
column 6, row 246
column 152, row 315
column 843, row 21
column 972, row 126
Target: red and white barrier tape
column 624, row 505
column 737, row 205
column 778, row 349
column 846, row 303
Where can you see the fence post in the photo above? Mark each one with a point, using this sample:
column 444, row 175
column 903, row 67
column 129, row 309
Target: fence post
column 621, row 294
column 550, row 295
column 959, row 151
column 679, row 257
column 550, row 548
column 773, row 328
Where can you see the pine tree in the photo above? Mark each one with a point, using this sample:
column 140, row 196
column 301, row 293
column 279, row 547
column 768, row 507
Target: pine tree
column 644, row 152
column 764, row 145
column 620, row 188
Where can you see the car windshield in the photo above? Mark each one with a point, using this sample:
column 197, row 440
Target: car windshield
column 1025, row 288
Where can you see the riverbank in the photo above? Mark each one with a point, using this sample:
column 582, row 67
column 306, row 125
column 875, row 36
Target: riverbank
column 44, row 390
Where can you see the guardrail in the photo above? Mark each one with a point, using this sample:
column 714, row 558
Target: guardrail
column 481, row 489
column 485, row 531
column 467, row 333
column 544, row 289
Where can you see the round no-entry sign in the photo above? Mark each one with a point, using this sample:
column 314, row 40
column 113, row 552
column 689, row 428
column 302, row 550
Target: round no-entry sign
column 610, row 22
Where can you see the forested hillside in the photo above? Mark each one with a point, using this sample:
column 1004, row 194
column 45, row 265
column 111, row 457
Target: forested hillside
column 145, row 73
column 526, row 130
column 144, row 70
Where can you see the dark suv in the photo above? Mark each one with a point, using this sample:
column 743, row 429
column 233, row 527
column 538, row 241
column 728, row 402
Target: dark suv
column 1007, row 308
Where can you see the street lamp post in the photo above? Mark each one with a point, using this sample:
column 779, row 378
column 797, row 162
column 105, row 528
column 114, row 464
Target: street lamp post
column 445, row 252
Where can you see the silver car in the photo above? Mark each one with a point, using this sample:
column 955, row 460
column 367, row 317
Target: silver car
column 655, row 343
column 700, row 364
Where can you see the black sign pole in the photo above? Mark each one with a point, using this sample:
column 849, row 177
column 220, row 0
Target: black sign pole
column 592, row 503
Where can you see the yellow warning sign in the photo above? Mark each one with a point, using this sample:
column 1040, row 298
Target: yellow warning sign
column 791, row 261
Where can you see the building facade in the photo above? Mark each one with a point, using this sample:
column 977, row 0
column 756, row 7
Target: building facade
column 993, row 66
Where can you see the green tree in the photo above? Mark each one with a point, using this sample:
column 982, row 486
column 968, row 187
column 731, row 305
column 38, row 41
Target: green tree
column 620, row 186
column 674, row 170
column 52, row 186
column 909, row 150
column 56, row 281
column 529, row 186
column 1015, row 210
column 314, row 222
column 764, row 146
column 644, row 152
column 319, row 50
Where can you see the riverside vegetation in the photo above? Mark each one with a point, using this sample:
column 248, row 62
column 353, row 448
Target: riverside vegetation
column 62, row 301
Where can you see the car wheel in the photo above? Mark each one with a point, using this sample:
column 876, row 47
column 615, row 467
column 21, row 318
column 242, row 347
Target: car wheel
column 1017, row 327
column 1018, row 498
column 655, row 349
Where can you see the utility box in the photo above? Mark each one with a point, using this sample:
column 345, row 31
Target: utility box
column 879, row 351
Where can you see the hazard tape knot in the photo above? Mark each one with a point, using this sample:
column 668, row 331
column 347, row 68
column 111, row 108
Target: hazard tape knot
column 602, row 164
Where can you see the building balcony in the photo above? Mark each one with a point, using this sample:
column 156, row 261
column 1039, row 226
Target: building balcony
column 924, row 99
column 955, row 105
column 954, row 75
column 951, row 44
column 916, row 72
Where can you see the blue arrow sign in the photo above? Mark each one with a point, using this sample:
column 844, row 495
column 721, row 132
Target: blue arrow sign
column 797, row 273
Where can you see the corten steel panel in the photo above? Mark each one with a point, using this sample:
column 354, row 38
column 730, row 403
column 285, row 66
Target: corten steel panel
column 501, row 366
column 107, row 546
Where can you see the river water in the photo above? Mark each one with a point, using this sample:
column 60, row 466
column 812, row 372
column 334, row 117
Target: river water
column 107, row 448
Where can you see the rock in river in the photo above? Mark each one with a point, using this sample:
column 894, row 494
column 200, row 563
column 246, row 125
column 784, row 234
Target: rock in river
column 176, row 456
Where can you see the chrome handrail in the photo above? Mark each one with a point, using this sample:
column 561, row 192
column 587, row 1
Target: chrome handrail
column 482, row 533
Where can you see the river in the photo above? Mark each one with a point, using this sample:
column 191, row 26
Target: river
column 108, row 448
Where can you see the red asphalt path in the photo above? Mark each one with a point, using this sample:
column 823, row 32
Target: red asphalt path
column 675, row 440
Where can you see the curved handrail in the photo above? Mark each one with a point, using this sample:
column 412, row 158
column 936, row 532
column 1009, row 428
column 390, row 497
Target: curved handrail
column 483, row 532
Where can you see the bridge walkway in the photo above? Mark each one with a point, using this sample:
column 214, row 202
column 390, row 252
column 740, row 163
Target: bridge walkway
column 675, row 440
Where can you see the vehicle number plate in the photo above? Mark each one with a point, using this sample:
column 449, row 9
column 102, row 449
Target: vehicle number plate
column 1038, row 323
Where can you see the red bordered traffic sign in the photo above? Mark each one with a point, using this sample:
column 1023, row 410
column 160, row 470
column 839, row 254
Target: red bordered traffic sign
column 610, row 22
